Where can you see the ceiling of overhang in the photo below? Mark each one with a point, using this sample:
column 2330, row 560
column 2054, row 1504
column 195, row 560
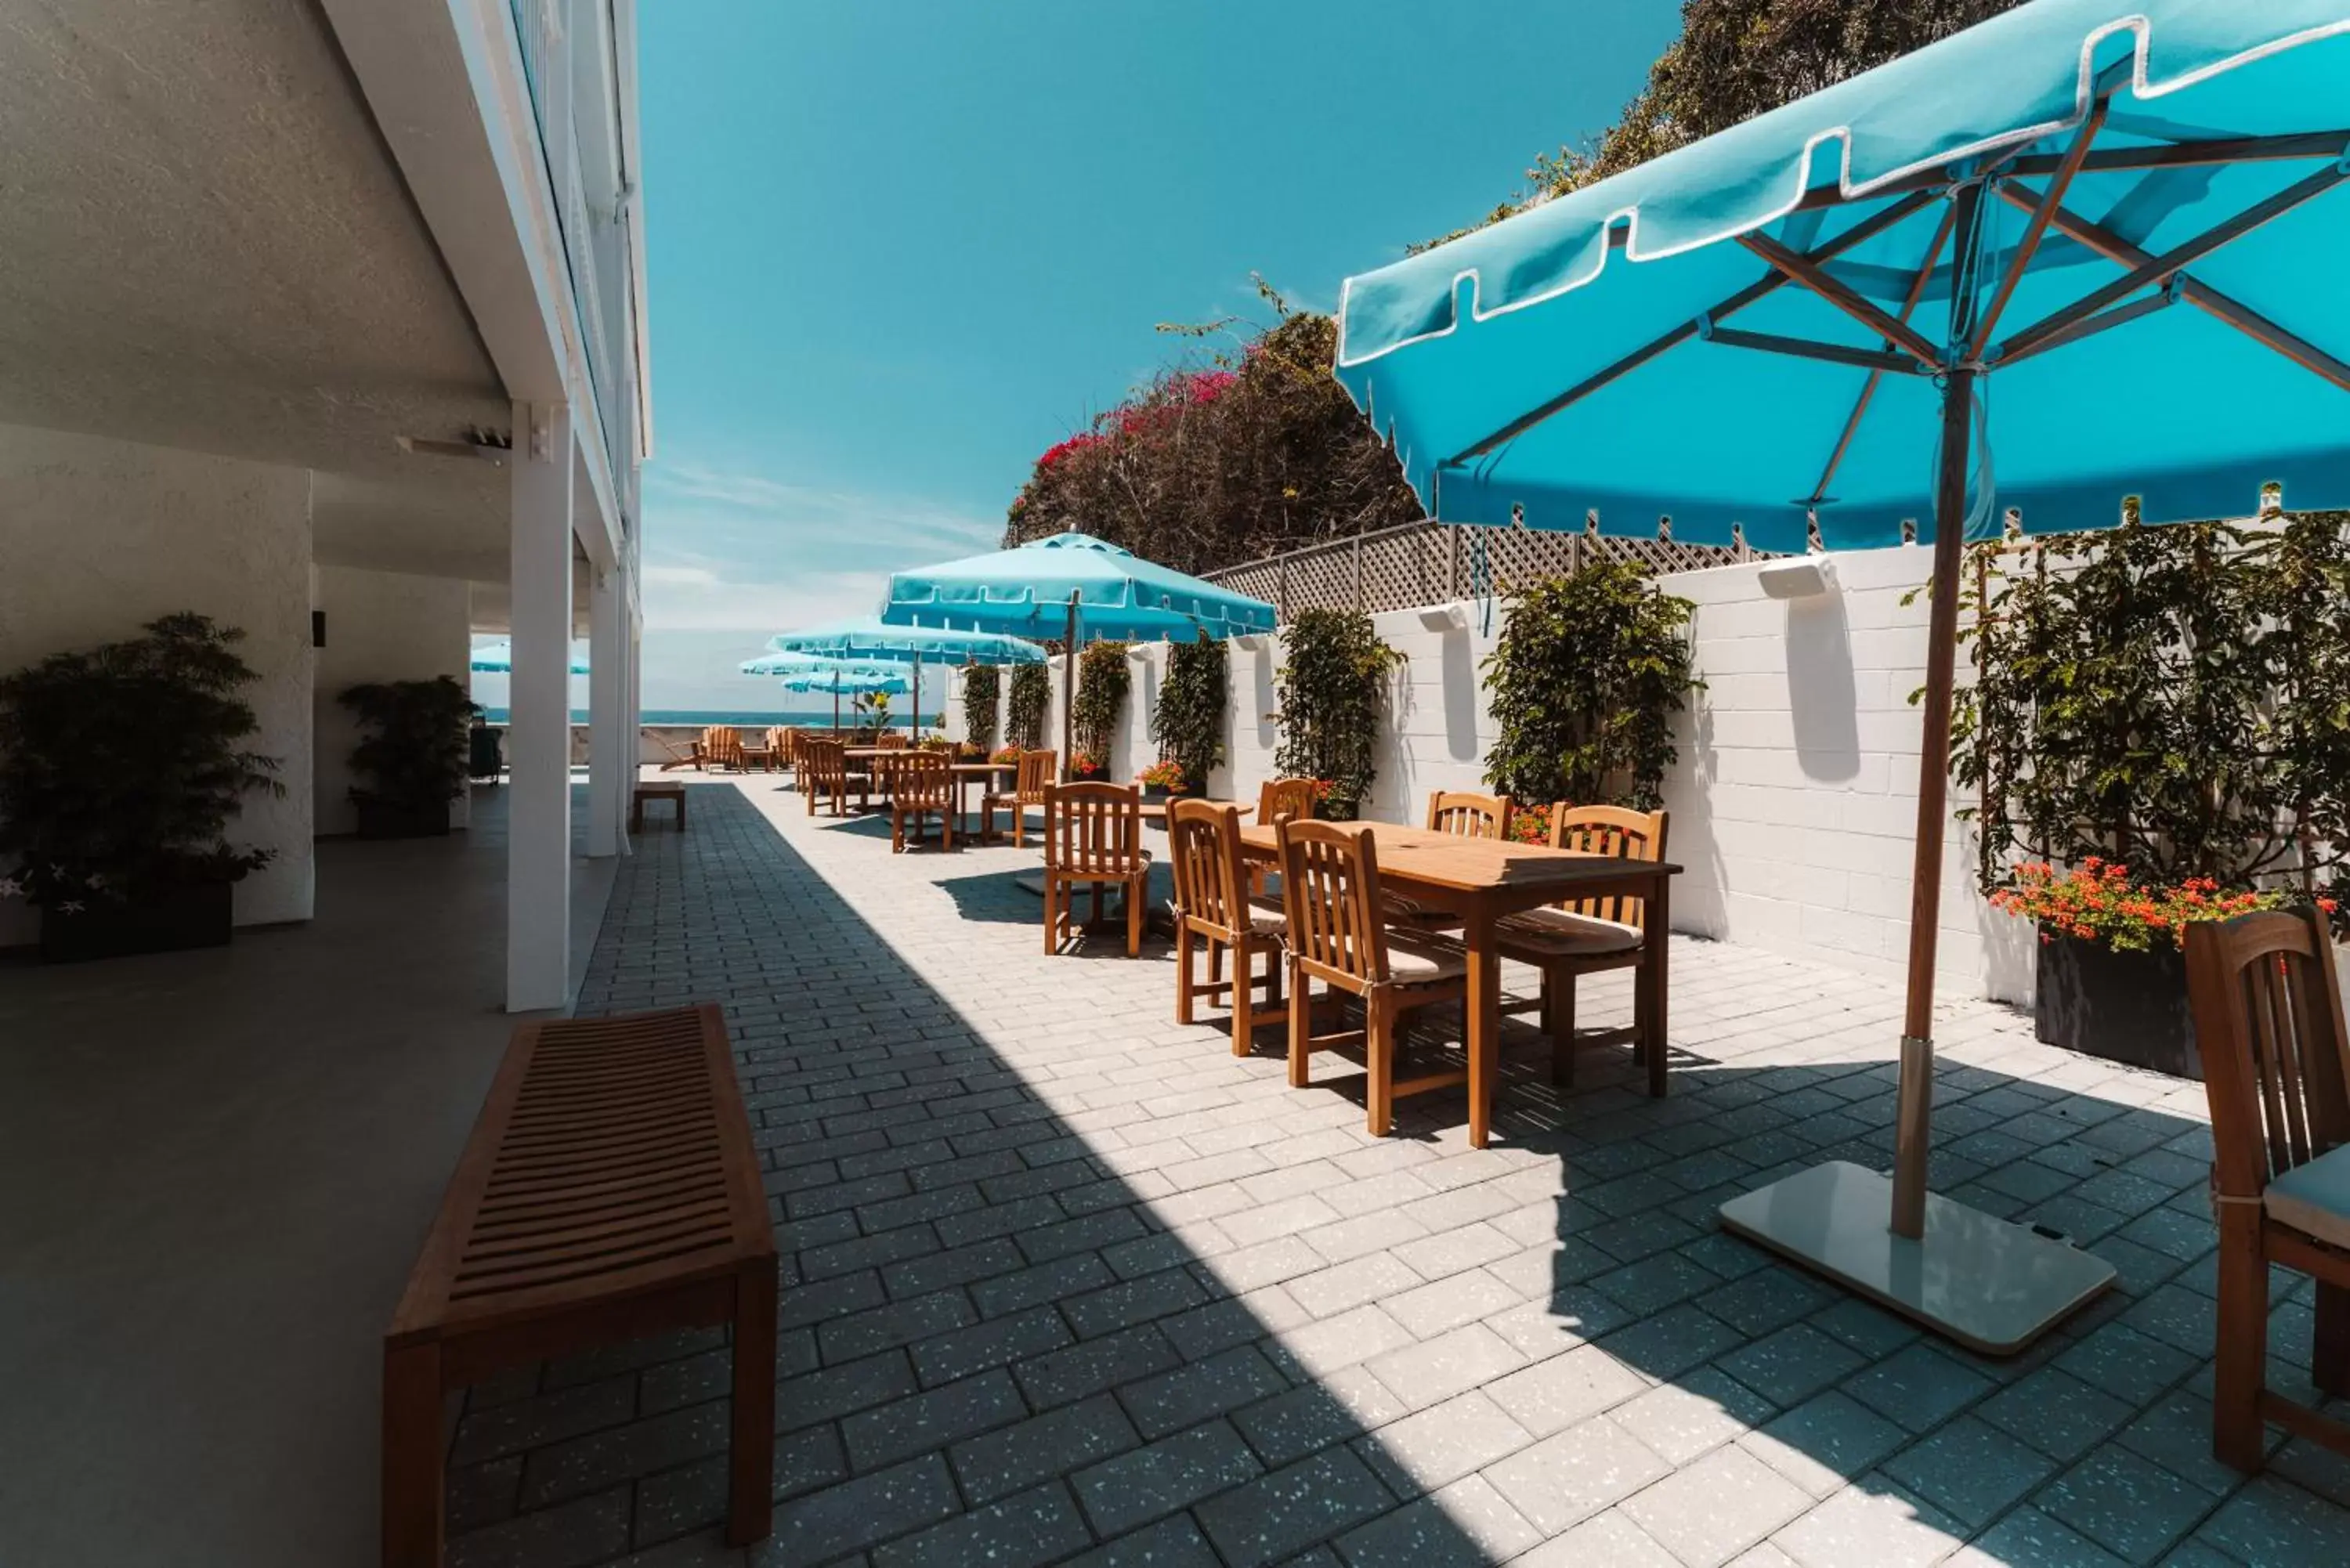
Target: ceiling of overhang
column 204, row 244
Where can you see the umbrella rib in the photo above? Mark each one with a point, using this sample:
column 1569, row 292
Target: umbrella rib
column 2037, row 229
column 1812, row 275
column 2158, row 269
column 1877, row 359
column 1867, row 229
column 2223, row 306
column 2196, row 154
column 1868, row 388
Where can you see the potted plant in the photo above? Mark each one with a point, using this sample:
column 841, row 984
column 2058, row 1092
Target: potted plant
column 414, row 753
column 2112, row 977
column 119, row 771
column 1162, row 778
column 1085, row 766
column 1009, row 756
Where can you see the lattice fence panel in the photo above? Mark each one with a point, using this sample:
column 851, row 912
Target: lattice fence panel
column 1430, row 563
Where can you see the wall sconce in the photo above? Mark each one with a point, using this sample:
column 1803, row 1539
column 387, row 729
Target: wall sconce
column 1444, row 618
column 1807, row 577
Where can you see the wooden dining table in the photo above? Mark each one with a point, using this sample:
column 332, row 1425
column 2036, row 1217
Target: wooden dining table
column 966, row 774
column 1483, row 879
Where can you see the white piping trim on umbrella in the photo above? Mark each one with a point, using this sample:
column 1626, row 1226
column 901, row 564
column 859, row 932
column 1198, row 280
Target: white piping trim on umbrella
column 2142, row 87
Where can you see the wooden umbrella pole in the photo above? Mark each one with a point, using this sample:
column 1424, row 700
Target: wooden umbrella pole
column 1069, row 690
column 914, row 714
column 1913, row 1125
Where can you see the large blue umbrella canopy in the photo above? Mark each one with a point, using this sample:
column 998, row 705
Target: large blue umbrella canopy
column 2085, row 251
column 1028, row 589
column 853, row 681
column 866, row 637
column 497, row 659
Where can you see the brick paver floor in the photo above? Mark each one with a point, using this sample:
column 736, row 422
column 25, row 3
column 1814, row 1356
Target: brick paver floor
column 1063, row 1281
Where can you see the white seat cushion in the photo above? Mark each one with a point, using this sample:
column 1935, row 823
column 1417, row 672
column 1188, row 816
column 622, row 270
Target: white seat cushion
column 2314, row 1198
column 1417, row 960
column 1565, row 934
column 1266, row 915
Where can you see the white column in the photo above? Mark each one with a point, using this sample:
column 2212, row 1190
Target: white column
column 611, row 745
column 538, row 832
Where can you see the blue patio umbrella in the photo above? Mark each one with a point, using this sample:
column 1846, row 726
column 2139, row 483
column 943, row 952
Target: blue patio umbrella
column 1074, row 586
column 819, row 672
column 868, row 638
column 2087, row 250
column 497, row 659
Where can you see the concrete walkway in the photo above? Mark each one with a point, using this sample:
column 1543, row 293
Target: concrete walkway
column 1066, row 1282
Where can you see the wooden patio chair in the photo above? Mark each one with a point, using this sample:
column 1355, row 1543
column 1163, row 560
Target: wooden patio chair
column 1587, row 936
column 920, row 785
column 1213, row 906
column 1038, row 771
column 755, row 750
column 824, row 771
column 1093, row 838
column 2276, row 1066
column 723, row 744
column 689, row 755
column 1463, row 815
column 892, row 740
column 1278, row 800
column 1338, row 935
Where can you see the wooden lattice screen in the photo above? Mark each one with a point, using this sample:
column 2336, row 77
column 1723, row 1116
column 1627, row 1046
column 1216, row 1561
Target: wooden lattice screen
column 1431, row 563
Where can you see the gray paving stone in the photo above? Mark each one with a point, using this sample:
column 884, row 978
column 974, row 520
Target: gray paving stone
column 883, row 1436
column 2272, row 1523
column 1699, row 1411
column 1610, row 1538
column 1709, row 1510
column 2028, row 1538
column 1030, row 1287
column 1054, row 1444
column 1190, row 1394
column 1971, row 1470
column 1274, row 1518
column 1565, row 1479
column 2116, row 1359
column 1171, row 1543
column 837, row 1520
column 1024, row 1532
column 901, row 1323
column 999, row 1342
column 1918, row 1387
column 1792, row 1365
column 1331, row 1410
column 584, row 1530
column 1064, row 1376
column 1434, row 1370
column 1871, row 1526
column 1561, row 1392
column 2129, row 1505
column 1124, row 1494
column 1825, row 1442
column 1436, row 1447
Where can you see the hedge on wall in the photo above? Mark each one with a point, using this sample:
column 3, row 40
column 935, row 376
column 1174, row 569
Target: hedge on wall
column 980, row 688
column 1188, row 725
column 1329, row 688
column 1103, row 681
column 1023, row 719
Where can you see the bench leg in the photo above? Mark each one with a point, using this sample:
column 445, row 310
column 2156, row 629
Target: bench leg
column 411, row 1457
column 751, row 1512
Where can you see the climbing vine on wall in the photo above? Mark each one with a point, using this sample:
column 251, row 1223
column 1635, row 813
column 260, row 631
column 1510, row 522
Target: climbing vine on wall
column 1103, row 681
column 980, row 688
column 1023, row 718
column 1585, row 682
column 1334, row 673
column 1188, row 725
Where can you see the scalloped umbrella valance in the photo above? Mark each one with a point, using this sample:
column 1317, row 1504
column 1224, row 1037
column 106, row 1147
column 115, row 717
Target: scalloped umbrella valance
column 497, row 659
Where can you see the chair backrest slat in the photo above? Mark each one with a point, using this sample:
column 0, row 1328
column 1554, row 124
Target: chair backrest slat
column 891, row 741
column 1468, row 816
column 1330, row 893
column 1612, row 830
column 2276, row 1055
column 1203, row 840
column 1279, row 799
column 921, row 781
column 1093, row 829
column 1037, row 769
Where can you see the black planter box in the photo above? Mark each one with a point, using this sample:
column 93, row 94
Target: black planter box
column 2122, row 1006
column 160, row 920
column 386, row 819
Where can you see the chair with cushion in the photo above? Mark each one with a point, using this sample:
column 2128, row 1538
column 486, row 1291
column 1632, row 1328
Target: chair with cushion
column 2276, row 1066
column 1037, row 771
column 1587, row 936
column 1093, row 839
column 1277, row 801
column 1213, row 906
column 921, row 785
column 1330, row 897
column 1464, row 816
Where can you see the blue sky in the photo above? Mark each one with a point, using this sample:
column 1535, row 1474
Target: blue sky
column 898, row 249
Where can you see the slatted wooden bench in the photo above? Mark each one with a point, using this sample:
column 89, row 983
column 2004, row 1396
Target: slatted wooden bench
column 609, row 1189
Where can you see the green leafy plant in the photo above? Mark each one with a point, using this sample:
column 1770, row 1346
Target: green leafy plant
column 1328, row 688
column 121, row 767
column 418, row 734
column 1024, row 717
column 2174, row 701
column 1586, row 681
column 980, row 688
column 1188, row 723
column 1103, row 680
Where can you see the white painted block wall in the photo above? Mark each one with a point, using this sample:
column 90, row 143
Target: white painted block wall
column 380, row 627
column 99, row 536
column 1795, row 800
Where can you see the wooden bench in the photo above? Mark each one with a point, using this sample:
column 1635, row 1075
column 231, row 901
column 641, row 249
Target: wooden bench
column 609, row 1190
column 657, row 789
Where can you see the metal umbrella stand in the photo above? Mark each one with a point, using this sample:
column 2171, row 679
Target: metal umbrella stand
column 2080, row 169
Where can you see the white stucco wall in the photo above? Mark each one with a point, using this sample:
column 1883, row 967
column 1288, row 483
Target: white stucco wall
column 1793, row 802
column 98, row 536
column 380, row 626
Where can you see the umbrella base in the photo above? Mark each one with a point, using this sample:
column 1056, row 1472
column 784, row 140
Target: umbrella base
column 1992, row 1286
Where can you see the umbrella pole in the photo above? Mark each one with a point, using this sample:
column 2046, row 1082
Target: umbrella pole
column 914, row 714
column 1913, row 1121
column 1069, row 691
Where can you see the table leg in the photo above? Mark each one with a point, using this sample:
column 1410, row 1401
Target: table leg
column 1658, row 915
column 1483, row 1010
